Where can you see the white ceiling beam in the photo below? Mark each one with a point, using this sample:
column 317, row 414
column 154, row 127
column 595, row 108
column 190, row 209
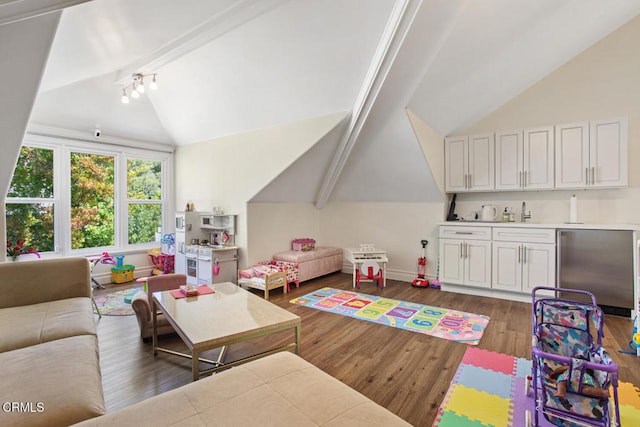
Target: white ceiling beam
column 398, row 25
column 17, row 10
column 234, row 16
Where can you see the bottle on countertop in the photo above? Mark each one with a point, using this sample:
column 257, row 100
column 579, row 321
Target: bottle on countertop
column 505, row 215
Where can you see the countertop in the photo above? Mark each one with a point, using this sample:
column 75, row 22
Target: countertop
column 556, row 225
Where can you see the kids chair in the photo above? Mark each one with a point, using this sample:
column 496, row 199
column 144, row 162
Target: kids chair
column 142, row 303
column 370, row 271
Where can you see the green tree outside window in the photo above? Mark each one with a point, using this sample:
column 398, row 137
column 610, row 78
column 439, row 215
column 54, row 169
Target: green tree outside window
column 30, row 207
column 92, row 200
column 144, row 191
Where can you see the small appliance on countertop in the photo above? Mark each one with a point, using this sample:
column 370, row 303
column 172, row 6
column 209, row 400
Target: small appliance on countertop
column 489, row 213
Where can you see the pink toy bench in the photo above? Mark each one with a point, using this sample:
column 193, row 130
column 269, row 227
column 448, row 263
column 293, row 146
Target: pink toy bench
column 307, row 265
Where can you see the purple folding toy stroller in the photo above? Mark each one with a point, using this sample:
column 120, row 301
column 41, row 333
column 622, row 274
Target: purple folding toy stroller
column 567, row 335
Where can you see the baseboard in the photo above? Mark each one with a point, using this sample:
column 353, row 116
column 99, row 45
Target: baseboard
column 400, row 275
column 481, row 292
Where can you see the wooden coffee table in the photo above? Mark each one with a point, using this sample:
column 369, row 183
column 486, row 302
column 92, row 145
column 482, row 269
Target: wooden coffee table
column 229, row 315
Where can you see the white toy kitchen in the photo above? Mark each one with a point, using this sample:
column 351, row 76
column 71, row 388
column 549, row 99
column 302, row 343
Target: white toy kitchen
column 205, row 247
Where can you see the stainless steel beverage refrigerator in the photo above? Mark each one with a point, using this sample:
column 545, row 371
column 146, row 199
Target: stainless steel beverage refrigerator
column 187, row 228
column 601, row 262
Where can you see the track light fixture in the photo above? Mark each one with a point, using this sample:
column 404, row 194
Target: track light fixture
column 137, row 86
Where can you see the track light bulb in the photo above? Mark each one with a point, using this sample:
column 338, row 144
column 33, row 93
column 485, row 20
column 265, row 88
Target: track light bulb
column 137, row 86
column 154, row 83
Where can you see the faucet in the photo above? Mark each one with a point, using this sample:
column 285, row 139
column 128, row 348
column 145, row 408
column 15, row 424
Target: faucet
column 524, row 216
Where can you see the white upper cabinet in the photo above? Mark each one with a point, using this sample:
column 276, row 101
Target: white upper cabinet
column 456, row 155
column 592, row 154
column 538, row 158
column 568, row 156
column 469, row 163
column 524, row 159
column 509, row 160
column 572, row 155
column 608, row 148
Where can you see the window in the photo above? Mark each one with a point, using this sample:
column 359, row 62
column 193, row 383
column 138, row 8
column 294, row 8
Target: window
column 69, row 197
column 144, row 194
column 30, row 203
column 92, row 200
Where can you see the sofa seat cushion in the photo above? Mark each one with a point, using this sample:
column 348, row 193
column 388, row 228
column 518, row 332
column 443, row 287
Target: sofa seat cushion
column 279, row 390
column 47, row 321
column 60, row 379
column 303, row 256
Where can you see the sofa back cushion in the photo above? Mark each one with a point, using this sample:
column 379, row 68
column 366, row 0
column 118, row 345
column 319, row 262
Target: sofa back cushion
column 33, row 282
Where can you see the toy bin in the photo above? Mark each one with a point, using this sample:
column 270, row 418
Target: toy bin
column 122, row 274
column 305, row 244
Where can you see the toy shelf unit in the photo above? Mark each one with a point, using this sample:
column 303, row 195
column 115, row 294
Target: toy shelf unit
column 221, row 226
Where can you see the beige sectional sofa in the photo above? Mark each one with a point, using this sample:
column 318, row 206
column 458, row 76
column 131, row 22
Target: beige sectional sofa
column 49, row 363
column 280, row 390
column 50, row 370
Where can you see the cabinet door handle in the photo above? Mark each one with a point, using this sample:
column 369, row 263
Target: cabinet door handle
column 593, row 175
column 524, row 254
column 520, row 179
column 519, row 254
column 586, row 172
column 524, row 180
column 460, row 249
column 466, row 250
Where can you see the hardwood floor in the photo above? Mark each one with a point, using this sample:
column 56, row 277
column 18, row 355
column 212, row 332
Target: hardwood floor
column 406, row 372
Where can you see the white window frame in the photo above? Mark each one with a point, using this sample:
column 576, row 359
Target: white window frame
column 56, row 200
column 62, row 191
column 163, row 197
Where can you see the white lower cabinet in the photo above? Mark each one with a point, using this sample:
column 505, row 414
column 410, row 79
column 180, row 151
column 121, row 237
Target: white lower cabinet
column 512, row 259
column 523, row 258
column 465, row 259
column 520, row 267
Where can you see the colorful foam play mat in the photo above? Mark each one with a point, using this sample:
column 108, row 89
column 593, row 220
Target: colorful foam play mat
column 438, row 322
column 116, row 303
column 489, row 389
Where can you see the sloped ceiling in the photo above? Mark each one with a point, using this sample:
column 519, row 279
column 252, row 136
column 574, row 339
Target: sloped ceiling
column 232, row 66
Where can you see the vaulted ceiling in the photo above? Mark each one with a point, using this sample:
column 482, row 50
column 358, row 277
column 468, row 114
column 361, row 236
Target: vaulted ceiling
column 230, row 66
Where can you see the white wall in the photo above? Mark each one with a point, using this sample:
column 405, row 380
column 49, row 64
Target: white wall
column 396, row 228
column 229, row 171
column 272, row 226
column 603, row 82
